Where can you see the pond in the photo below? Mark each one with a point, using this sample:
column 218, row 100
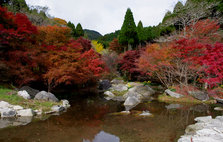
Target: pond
column 91, row 120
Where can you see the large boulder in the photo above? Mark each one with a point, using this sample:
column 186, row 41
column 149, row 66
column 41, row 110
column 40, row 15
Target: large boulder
column 203, row 96
column 25, row 112
column 24, row 94
column 46, row 96
column 145, row 91
column 132, row 93
column 7, row 112
column 173, row 94
column 131, row 102
column 32, row 92
column 104, row 84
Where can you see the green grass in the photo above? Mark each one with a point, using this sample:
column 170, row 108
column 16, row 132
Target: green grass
column 11, row 97
column 183, row 100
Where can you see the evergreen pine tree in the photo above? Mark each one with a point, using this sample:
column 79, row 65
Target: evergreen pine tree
column 73, row 30
column 141, row 33
column 128, row 34
column 79, row 30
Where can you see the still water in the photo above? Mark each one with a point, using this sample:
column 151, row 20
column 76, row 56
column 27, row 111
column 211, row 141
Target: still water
column 91, row 120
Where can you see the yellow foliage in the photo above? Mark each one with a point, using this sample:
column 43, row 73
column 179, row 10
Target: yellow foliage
column 60, row 21
column 98, row 47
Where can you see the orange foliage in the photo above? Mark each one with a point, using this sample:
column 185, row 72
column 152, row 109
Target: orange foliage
column 53, row 35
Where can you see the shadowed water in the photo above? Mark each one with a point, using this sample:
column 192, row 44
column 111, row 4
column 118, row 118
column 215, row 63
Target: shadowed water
column 91, row 120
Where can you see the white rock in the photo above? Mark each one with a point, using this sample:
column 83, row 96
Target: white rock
column 17, row 107
column 173, row 94
column 57, row 108
column 145, row 113
column 203, row 119
column 218, row 108
column 24, row 94
column 25, row 112
column 7, row 112
column 38, row 112
column 65, row 103
column 4, row 104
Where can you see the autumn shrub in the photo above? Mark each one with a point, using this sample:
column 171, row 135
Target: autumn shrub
column 127, row 65
column 115, row 46
column 17, row 39
column 111, row 63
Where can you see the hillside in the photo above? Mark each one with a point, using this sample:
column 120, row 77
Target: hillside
column 91, row 34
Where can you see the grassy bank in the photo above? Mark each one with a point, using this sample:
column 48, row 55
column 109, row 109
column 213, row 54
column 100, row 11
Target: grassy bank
column 183, row 100
column 11, row 97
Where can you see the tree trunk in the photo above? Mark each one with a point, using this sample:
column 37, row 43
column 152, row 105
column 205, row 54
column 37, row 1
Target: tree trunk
column 129, row 47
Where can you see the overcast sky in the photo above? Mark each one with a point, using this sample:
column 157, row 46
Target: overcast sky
column 106, row 16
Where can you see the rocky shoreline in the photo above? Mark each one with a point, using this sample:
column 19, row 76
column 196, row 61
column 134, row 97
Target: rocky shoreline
column 14, row 115
column 206, row 129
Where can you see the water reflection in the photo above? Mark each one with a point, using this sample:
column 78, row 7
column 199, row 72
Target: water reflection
column 7, row 122
column 104, row 137
column 91, row 121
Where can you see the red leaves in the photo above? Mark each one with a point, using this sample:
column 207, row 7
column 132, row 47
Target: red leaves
column 15, row 28
column 128, row 63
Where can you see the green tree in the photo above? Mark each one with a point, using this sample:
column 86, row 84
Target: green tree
column 128, row 34
column 178, row 7
column 141, row 33
column 79, row 30
column 72, row 27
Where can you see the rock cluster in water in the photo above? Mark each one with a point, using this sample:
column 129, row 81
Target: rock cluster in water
column 206, row 129
column 134, row 93
column 14, row 115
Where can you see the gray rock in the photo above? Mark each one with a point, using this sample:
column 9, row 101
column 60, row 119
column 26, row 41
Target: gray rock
column 203, row 96
column 104, row 84
column 7, row 112
column 25, row 112
column 131, row 102
column 57, row 108
column 173, row 106
column 24, row 94
column 32, row 92
column 65, row 103
column 145, row 91
column 117, row 81
column 132, row 93
column 46, row 96
column 119, row 87
column 173, row 94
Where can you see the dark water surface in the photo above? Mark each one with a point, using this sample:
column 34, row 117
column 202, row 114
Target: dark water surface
column 90, row 120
